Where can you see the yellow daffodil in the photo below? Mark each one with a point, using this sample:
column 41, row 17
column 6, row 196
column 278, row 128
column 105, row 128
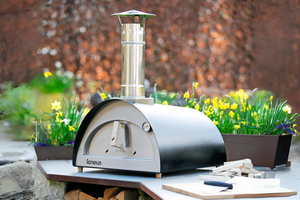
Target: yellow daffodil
column 221, row 114
column 58, row 120
column 197, row 107
column 71, row 128
column 254, row 114
column 238, row 117
column 271, row 98
column 287, row 109
column 249, row 107
column 207, row 113
column 194, row 102
column 243, row 103
column 186, row 95
column 234, row 106
column 196, row 84
column 186, row 106
column 215, row 122
column 231, row 114
column 59, row 114
column 48, row 126
column 56, row 105
column 266, row 107
column 214, row 100
column 216, row 105
column 227, row 105
column 207, row 101
column 244, row 122
column 103, row 96
column 86, row 111
column 237, row 127
column 244, row 109
column 165, row 103
column 46, row 74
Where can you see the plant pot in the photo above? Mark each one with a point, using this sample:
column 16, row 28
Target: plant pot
column 263, row 150
column 54, row 152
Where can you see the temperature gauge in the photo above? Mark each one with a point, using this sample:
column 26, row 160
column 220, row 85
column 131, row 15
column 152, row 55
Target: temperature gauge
column 146, row 127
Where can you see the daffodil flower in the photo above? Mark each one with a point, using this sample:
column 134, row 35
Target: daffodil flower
column 266, row 107
column 227, row 105
column 197, row 107
column 249, row 107
column 215, row 100
column 207, row 113
column 271, row 98
column 244, row 109
column 66, row 121
column 165, row 103
column 196, row 84
column 207, row 101
column 186, row 95
column 48, row 126
column 71, row 128
column 234, row 106
column 56, row 105
column 194, row 102
column 46, row 74
column 244, row 122
column 237, row 127
column 287, row 109
column 86, row 111
column 103, row 96
column 231, row 114
column 59, row 114
column 215, row 122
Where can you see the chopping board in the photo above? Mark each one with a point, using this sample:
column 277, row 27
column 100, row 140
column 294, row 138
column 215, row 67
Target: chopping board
column 238, row 191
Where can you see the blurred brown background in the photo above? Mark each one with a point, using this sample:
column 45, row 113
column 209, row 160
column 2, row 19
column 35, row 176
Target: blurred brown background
column 222, row 44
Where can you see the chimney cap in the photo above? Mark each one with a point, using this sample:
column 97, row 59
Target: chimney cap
column 133, row 13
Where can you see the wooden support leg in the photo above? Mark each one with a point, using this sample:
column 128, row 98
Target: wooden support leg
column 80, row 169
column 158, row 175
column 288, row 164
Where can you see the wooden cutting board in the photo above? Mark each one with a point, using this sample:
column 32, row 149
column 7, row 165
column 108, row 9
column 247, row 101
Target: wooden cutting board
column 238, row 191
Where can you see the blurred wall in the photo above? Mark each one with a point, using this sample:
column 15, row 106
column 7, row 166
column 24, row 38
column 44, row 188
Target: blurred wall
column 222, row 44
column 276, row 48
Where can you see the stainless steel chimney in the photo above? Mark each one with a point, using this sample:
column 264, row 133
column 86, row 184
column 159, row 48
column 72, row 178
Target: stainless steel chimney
column 133, row 57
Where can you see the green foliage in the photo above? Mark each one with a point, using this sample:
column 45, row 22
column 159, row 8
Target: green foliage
column 59, row 82
column 163, row 97
column 240, row 113
column 62, row 128
column 17, row 104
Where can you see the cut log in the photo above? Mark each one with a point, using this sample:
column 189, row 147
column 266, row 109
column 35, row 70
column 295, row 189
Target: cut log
column 128, row 195
column 72, row 195
column 110, row 192
column 84, row 196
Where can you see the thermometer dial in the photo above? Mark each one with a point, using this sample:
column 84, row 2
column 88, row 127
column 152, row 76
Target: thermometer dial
column 146, row 127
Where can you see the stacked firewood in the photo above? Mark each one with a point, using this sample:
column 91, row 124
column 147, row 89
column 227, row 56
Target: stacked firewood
column 109, row 194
